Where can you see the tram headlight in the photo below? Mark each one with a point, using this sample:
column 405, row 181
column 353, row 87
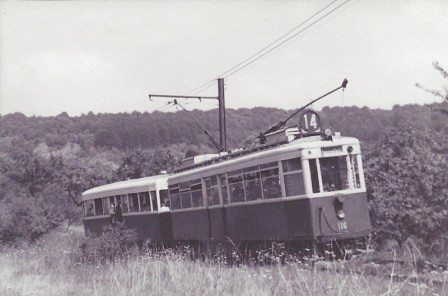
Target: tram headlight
column 328, row 132
column 350, row 149
column 341, row 214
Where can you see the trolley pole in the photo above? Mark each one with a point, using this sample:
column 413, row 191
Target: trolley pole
column 222, row 111
column 222, row 115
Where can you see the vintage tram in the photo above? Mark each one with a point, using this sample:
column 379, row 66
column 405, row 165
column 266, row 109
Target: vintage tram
column 301, row 188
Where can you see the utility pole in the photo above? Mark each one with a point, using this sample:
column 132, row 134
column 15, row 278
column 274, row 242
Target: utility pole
column 222, row 111
column 222, row 115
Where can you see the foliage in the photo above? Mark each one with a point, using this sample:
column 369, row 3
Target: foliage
column 116, row 242
column 138, row 164
column 408, row 186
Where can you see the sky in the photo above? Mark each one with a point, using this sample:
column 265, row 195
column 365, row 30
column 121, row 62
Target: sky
column 107, row 56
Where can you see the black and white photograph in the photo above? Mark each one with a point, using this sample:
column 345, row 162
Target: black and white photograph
column 224, row 147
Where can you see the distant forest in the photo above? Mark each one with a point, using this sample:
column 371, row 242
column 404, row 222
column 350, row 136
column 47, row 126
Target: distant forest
column 46, row 162
column 130, row 131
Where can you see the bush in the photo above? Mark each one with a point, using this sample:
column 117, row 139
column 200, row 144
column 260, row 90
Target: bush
column 116, row 243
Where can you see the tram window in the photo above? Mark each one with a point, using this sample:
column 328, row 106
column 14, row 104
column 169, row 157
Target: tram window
column 98, row 206
column 89, row 208
column 175, row 201
column 106, row 207
column 112, row 204
column 185, row 199
column 211, row 189
column 294, row 184
column 124, row 203
column 196, row 197
column 235, row 176
column 133, row 202
column 184, row 185
column 145, row 205
column 252, row 185
column 196, row 193
column 223, row 180
column 291, row 165
column 154, row 200
column 236, row 192
column 334, row 173
column 314, row 176
column 174, row 196
column 164, row 197
column 293, row 177
column 271, row 183
column 236, row 186
column 355, row 171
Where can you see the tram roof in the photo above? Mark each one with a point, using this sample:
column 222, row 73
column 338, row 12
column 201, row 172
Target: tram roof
column 128, row 186
column 248, row 155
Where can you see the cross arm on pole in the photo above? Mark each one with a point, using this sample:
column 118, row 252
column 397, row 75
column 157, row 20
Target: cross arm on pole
column 181, row 97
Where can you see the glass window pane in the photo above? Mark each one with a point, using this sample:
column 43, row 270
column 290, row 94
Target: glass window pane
column 291, row 165
column 98, row 206
column 251, row 169
column 253, row 190
column 223, row 179
column 145, row 206
column 236, row 192
column 225, row 197
column 334, row 173
column 355, row 170
column 106, row 207
column 184, row 185
column 164, row 197
column 89, row 208
column 314, row 176
column 294, row 184
column 196, row 197
column 124, row 203
column 133, row 202
column 251, row 176
column 235, row 178
column 271, row 187
column 269, row 173
column 213, row 196
column 154, row 201
column 214, row 180
column 185, row 199
column 175, row 201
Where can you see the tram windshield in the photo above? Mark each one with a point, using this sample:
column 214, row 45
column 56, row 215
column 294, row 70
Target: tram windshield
column 337, row 173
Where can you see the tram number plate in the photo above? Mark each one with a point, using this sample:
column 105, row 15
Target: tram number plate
column 342, row 225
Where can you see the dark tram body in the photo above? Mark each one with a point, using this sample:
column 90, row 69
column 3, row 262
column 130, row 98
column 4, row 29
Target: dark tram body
column 298, row 190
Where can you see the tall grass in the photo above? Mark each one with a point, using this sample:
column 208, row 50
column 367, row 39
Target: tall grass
column 53, row 266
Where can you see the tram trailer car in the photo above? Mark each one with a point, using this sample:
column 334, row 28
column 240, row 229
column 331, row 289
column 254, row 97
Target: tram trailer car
column 307, row 190
column 140, row 201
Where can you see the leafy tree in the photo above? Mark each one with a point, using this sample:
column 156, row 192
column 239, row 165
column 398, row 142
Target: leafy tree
column 407, row 186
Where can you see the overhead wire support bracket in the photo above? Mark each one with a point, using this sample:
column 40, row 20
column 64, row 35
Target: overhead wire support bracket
column 222, row 112
column 182, row 97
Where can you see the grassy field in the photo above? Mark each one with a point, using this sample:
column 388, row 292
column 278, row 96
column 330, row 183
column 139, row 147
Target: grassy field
column 53, row 266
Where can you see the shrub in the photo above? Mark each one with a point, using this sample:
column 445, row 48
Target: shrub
column 115, row 243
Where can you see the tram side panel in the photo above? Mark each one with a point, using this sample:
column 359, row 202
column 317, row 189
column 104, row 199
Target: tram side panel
column 147, row 226
column 190, row 225
column 299, row 220
column 258, row 222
